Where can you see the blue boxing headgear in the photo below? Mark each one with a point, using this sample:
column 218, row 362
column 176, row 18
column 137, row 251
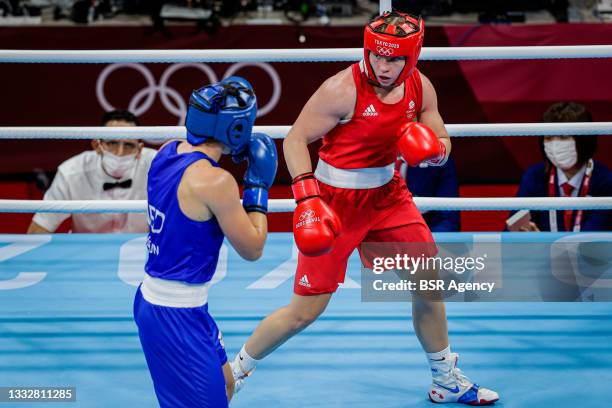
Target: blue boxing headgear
column 224, row 112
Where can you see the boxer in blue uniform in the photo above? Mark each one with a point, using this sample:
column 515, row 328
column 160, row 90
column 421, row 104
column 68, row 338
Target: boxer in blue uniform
column 192, row 205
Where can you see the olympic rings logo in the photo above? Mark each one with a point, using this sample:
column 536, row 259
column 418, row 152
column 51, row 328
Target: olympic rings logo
column 384, row 51
column 142, row 101
column 307, row 214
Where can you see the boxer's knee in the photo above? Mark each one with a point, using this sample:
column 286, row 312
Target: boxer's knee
column 304, row 310
column 302, row 320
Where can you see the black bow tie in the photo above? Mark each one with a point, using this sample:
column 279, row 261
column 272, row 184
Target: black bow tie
column 121, row 184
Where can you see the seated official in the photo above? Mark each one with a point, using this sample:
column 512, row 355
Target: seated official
column 568, row 171
column 434, row 181
column 113, row 170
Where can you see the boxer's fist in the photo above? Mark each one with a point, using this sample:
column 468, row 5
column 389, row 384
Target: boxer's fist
column 262, row 162
column 315, row 224
column 418, row 143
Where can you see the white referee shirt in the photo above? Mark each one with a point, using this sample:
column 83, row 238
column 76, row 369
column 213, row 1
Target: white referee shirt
column 81, row 178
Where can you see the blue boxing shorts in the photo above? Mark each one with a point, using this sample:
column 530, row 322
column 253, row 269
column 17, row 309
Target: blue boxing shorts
column 184, row 352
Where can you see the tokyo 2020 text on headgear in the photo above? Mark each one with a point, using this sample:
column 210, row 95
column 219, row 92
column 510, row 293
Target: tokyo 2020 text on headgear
column 404, row 38
column 224, row 112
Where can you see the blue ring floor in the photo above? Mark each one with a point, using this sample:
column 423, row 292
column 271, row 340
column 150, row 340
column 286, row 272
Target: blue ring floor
column 75, row 328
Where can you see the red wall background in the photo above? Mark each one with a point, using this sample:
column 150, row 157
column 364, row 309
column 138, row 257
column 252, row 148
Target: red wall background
column 468, row 92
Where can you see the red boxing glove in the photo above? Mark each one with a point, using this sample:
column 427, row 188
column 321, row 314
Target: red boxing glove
column 418, row 144
column 315, row 224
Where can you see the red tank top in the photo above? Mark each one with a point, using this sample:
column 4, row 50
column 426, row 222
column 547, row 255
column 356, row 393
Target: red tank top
column 369, row 138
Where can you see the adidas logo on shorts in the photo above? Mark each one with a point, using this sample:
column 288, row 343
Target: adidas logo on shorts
column 304, row 281
column 370, row 111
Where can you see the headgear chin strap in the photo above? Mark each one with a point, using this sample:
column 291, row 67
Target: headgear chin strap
column 224, row 112
column 403, row 39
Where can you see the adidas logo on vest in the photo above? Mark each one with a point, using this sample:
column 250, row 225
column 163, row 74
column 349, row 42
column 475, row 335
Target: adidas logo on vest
column 370, row 111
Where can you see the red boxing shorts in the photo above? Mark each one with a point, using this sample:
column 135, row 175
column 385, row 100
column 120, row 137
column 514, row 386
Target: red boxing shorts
column 383, row 214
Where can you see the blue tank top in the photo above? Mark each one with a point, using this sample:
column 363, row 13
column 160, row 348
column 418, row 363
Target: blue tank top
column 179, row 248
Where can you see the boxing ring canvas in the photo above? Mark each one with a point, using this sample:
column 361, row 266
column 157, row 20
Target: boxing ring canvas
column 66, row 320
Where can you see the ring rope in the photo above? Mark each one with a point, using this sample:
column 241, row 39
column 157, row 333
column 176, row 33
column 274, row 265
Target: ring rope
column 279, row 132
column 297, row 55
column 285, row 205
column 288, row 205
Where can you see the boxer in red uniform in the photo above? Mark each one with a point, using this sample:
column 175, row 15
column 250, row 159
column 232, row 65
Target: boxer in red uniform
column 365, row 114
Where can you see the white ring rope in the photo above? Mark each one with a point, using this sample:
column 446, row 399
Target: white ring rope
column 304, row 55
column 297, row 55
column 288, row 205
column 279, row 132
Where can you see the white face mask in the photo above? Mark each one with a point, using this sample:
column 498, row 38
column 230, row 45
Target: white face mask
column 561, row 152
column 118, row 166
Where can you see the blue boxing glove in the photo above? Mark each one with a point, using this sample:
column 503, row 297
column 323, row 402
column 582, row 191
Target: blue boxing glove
column 262, row 162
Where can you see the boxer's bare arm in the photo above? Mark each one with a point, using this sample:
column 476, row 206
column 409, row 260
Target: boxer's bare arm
column 429, row 114
column 206, row 191
column 333, row 101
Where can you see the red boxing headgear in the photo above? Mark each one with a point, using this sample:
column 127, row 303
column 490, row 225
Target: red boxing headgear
column 394, row 40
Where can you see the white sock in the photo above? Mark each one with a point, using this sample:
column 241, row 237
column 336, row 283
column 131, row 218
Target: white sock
column 245, row 362
column 439, row 364
column 440, row 355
